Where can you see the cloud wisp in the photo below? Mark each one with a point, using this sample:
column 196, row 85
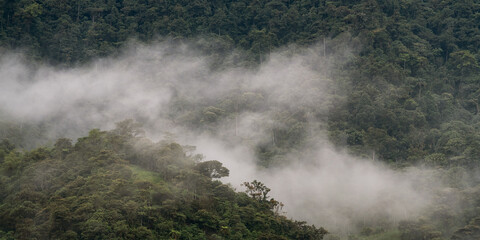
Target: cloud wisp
column 160, row 85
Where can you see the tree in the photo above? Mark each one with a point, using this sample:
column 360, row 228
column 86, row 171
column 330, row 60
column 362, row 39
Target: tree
column 257, row 190
column 463, row 62
column 5, row 148
column 12, row 163
column 129, row 129
column 212, row 169
column 62, row 147
column 262, row 42
column 469, row 232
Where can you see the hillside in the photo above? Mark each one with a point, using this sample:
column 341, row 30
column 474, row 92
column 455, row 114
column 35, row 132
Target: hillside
column 411, row 86
column 120, row 185
column 393, row 85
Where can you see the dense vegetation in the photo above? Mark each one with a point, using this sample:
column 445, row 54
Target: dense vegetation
column 410, row 95
column 120, row 185
column 412, row 88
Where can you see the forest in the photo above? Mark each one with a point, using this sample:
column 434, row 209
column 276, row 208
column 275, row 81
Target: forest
column 120, row 185
column 392, row 82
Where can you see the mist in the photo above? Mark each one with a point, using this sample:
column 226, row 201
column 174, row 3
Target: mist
column 333, row 189
column 162, row 85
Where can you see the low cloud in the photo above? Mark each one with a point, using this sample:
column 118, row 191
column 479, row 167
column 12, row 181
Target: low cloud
column 161, row 85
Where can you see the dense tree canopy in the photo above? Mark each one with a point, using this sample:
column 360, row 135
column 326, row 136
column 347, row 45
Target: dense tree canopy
column 409, row 96
column 415, row 72
column 116, row 185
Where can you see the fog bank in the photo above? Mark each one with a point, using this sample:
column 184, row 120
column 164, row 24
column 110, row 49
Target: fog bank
column 166, row 87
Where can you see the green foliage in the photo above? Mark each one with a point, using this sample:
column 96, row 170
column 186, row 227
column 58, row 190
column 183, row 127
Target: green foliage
column 257, row 190
column 106, row 187
column 470, row 231
column 411, row 231
column 409, row 95
column 12, row 164
column 416, row 70
column 212, row 169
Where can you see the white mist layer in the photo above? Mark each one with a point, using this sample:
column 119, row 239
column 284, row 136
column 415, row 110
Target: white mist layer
column 340, row 192
column 332, row 189
column 328, row 189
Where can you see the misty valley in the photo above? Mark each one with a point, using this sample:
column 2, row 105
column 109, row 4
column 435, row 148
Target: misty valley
column 277, row 119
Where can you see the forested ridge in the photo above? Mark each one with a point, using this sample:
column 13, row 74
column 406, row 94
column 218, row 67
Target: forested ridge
column 407, row 94
column 412, row 89
column 120, row 185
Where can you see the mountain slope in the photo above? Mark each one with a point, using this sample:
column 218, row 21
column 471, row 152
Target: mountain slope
column 116, row 185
